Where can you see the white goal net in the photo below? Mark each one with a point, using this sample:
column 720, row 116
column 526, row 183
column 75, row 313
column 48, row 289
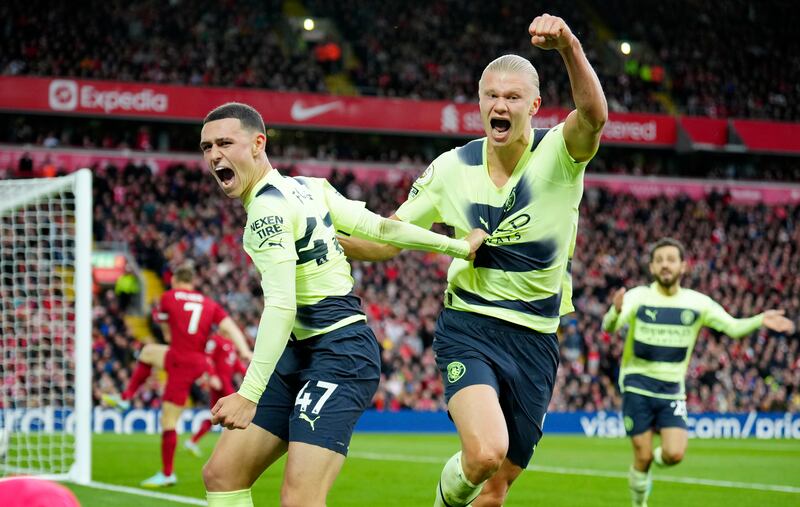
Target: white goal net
column 45, row 327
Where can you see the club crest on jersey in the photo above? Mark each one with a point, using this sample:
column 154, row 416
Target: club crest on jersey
column 455, row 371
column 687, row 317
column 512, row 198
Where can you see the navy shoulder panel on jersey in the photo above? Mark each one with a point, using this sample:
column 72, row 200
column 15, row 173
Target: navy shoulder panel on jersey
column 269, row 190
column 538, row 135
column 471, row 153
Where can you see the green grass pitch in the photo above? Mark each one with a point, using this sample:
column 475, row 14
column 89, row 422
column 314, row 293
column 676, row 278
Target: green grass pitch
column 402, row 470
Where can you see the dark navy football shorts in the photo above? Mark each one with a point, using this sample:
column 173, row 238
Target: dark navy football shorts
column 519, row 363
column 641, row 413
column 321, row 386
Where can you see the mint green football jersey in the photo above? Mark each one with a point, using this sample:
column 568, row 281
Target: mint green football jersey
column 522, row 274
column 662, row 331
column 291, row 219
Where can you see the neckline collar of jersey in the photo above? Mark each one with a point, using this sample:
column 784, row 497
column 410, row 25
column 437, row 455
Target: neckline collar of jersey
column 265, row 180
column 518, row 169
column 654, row 286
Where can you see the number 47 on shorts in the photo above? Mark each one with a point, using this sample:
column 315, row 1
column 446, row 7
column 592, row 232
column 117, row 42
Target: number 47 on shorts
column 679, row 408
column 304, row 397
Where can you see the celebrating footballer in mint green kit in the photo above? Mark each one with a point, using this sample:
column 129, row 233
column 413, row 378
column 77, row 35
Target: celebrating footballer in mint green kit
column 663, row 322
column 495, row 341
column 316, row 364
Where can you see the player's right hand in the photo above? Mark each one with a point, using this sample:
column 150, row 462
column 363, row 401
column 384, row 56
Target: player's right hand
column 619, row 295
column 233, row 412
column 550, row 32
column 475, row 238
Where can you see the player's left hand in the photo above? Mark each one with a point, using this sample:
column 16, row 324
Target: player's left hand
column 774, row 320
column 550, row 32
column 475, row 238
column 233, row 412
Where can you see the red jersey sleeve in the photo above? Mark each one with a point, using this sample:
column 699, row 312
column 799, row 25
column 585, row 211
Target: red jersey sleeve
column 219, row 313
column 162, row 308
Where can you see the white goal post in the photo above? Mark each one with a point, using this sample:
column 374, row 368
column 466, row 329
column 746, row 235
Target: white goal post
column 45, row 327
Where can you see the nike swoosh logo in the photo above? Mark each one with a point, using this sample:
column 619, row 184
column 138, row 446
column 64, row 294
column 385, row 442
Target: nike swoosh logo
column 300, row 112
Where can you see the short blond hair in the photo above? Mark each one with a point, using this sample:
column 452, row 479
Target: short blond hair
column 513, row 64
column 184, row 273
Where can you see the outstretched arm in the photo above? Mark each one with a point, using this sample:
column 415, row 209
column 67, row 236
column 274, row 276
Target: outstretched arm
column 408, row 236
column 584, row 125
column 364, row 250
column 351, row 217
column 717, row 318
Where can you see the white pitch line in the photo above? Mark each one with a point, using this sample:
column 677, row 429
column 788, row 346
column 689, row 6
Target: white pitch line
column 735, row 446
column 143, row 492
column 590, row 472
column 683, row 480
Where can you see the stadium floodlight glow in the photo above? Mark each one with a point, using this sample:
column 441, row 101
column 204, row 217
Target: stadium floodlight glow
column 625, row 48
column 308, row 24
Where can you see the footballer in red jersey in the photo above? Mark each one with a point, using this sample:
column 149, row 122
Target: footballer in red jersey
column 187, row 318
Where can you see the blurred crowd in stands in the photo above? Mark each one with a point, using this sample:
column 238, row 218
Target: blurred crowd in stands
column 342, row 148
column 745, row 257
column 422, row 49
column 609, row 160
